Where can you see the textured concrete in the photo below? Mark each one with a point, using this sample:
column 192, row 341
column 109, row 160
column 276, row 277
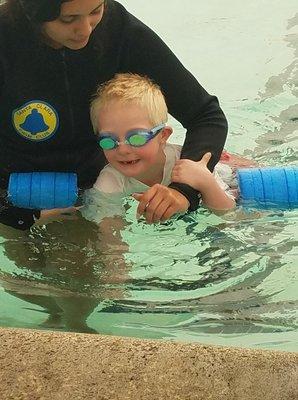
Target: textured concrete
column 45, row 365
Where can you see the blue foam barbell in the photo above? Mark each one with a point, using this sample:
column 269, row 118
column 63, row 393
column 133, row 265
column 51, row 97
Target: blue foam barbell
column 264, row 187
column 269, row 186
column 42, row 190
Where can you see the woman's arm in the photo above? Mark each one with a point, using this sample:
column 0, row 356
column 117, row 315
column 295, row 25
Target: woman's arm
column 188, row 102
column 18, row 218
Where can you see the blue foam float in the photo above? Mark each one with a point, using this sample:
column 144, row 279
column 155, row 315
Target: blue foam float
column 265, row 187
column 43, row 190
column 269, row 186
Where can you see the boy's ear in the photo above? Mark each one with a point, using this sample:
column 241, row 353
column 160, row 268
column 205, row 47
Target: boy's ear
column 166, row 133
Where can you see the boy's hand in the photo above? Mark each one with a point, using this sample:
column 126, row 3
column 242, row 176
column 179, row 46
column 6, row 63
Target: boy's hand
column 193, row 173
column 159, row 203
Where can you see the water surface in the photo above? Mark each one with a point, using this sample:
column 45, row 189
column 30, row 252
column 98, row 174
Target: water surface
column 226, row 280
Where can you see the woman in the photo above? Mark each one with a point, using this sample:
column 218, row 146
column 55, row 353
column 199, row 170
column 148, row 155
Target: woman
column 53, row 55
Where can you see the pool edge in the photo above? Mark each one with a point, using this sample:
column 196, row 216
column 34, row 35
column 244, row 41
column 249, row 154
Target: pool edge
column 53, row 365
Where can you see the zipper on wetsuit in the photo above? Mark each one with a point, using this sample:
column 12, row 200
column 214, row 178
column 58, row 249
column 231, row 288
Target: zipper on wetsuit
column 67, row 87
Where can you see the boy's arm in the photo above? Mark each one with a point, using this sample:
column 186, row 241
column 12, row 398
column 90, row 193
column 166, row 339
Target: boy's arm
column 215, row 198
column 197, row 175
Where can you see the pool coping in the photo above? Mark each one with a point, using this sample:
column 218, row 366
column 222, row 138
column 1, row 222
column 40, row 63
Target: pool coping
column 56, row 365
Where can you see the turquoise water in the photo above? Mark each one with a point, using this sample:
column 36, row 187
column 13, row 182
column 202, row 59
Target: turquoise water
column 225, row 280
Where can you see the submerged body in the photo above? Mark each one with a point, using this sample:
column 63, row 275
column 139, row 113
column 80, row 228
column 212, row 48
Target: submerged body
column 107, row 197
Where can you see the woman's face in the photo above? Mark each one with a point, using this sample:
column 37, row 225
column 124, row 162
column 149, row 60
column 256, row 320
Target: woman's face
column 74, row 25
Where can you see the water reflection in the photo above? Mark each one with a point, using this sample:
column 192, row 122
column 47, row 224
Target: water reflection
column 63, row 268
column 226, row 280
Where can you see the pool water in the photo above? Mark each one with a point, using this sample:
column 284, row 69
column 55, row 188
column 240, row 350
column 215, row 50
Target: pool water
column 229, row 280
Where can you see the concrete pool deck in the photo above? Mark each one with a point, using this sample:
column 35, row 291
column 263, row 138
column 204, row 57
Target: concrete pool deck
column 53, row 365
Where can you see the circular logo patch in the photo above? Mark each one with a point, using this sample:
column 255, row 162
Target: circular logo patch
column 35, row 120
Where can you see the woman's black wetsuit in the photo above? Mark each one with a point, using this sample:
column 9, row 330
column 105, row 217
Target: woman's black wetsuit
column 45, row 95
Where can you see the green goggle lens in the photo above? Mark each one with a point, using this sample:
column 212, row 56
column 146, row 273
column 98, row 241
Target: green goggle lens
column 137, row 140
column 107, row 143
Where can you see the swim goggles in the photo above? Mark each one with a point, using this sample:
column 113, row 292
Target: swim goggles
column 135, row 138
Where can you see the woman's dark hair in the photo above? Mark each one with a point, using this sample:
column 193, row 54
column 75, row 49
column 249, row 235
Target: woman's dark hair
column 27, row 16
column 35, row 11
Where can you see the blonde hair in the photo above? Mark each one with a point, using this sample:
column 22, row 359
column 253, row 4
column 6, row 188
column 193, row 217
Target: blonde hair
column 130, row 88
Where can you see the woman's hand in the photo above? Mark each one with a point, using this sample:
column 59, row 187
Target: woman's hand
column 159, row 203
column 56, row 214
column 193, row 173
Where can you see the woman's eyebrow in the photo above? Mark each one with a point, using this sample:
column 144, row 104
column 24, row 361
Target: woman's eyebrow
column 76, row 15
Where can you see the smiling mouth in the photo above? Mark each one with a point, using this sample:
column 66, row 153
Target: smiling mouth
column 129, row 162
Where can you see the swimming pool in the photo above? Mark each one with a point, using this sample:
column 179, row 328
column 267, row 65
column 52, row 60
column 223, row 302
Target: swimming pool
column 224, row 280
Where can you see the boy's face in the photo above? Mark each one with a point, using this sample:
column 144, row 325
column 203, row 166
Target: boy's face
column 136, row 162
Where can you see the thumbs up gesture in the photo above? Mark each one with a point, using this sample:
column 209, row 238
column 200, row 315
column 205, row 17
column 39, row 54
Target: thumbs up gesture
column 193, row 173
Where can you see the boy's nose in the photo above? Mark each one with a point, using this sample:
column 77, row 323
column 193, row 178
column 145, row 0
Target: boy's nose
column 123, row 148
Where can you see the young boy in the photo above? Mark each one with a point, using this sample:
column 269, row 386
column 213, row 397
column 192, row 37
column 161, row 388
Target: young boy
column 129, row 115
